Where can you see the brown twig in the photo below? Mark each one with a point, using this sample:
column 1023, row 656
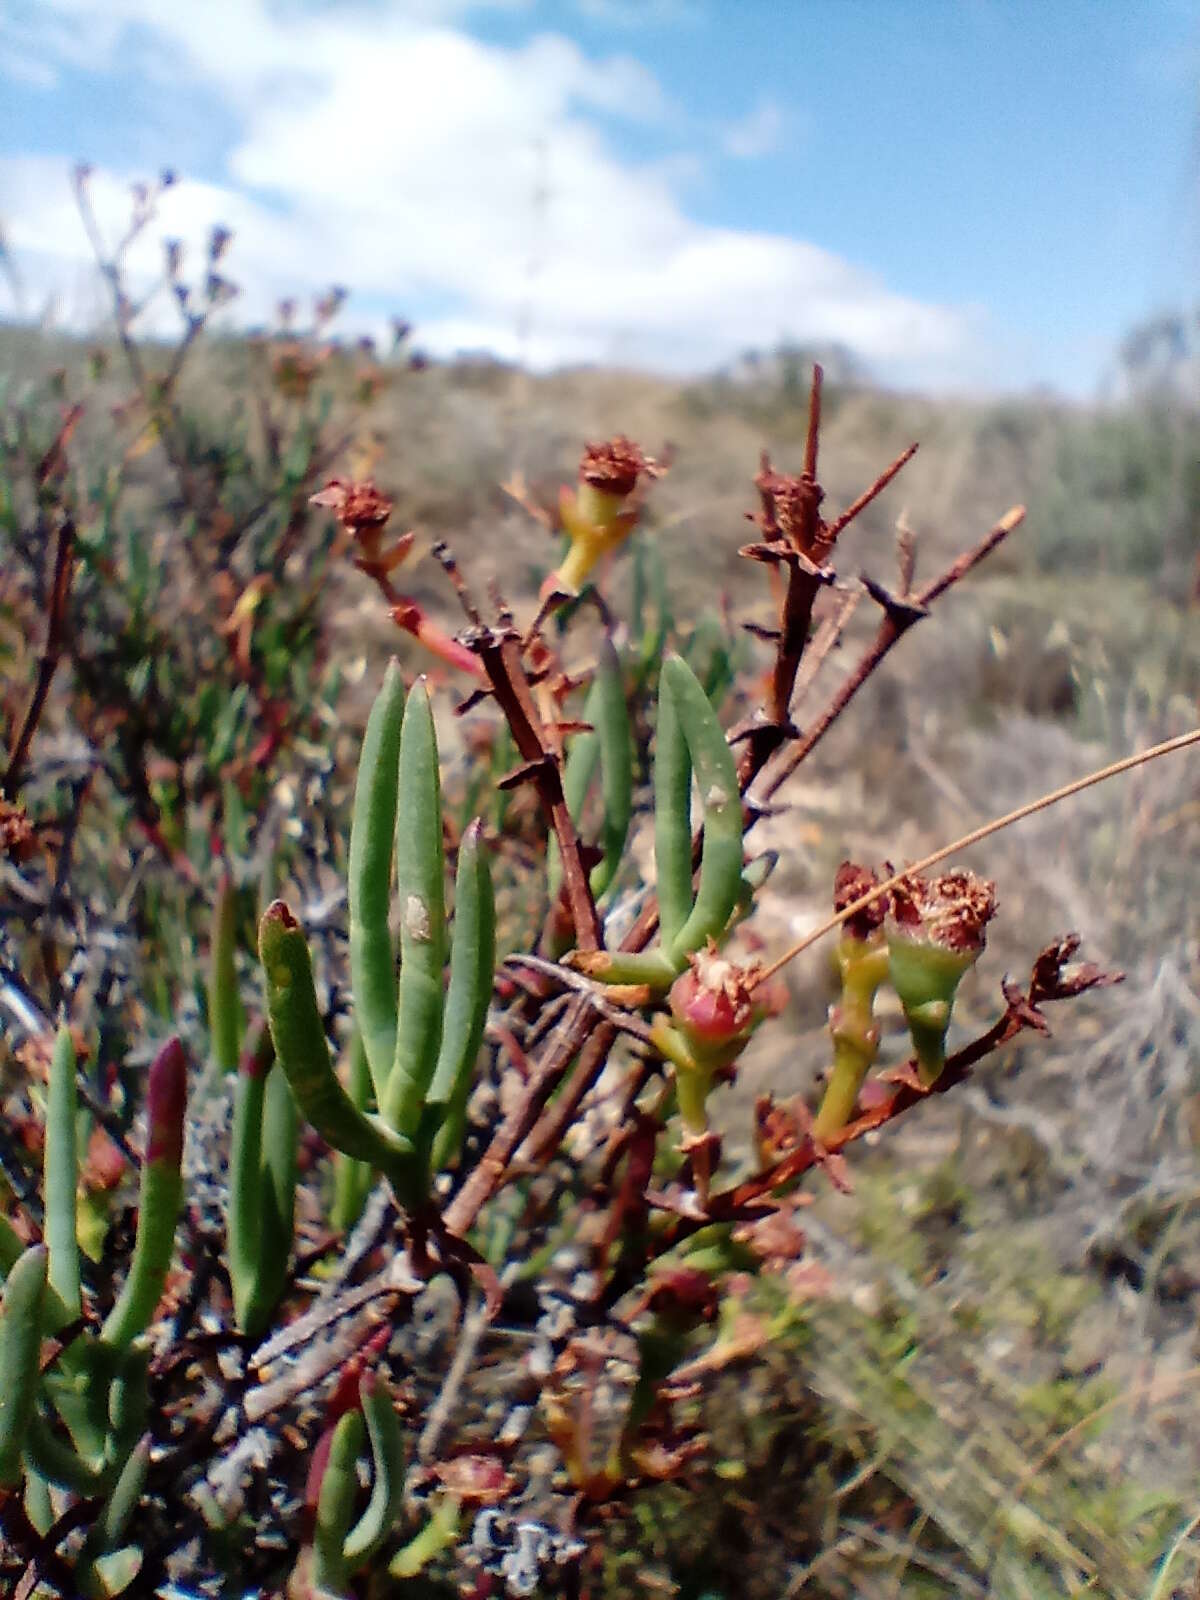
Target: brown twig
column 43, row 1563
column 488, row 1173
column 856, row 507
column 56, row 625
column 900, row 614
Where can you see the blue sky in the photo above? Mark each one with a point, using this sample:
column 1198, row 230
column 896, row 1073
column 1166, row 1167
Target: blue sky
column 970, row 193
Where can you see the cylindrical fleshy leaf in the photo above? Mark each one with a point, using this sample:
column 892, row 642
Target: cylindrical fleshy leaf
column 20, row 1349
column 245, row 1203
column 159, row 1199
column 387, row 1473
column 420, row 885
column 335, row 1505
column 672, row 817
column 302, row 1052
column 224, row 1003
column 352, row 1179
column 61, row 1171
column 720, row 800
column 369, row 879
column 611, row 720
column 472, row 969
column 121, row 1504
column 608, row 746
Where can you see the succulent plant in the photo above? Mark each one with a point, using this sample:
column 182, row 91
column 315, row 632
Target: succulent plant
column 420, row 1036
column 80, row 1425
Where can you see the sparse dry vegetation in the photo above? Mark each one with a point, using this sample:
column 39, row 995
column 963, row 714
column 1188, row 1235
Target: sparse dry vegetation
column 603, row 1273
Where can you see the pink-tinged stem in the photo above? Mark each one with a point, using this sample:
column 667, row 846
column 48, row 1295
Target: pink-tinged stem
column 408, row 615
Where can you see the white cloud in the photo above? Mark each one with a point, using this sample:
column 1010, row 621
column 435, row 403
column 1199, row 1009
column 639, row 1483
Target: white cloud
column 393, row 152
column 756, row 134
column 638, row 13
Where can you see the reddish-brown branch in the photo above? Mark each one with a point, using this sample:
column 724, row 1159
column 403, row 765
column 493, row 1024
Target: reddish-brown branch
column 798, row 538
column 896, row 621
column 488, row 1174
column 501, row 657
column 865, row 498
column 56, row 625
column 804, row 576
column 548, row 1133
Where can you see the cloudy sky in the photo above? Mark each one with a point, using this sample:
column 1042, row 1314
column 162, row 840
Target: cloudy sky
column 968, row 193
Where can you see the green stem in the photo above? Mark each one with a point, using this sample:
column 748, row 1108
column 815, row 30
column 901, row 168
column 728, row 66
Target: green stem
column 387, row 1464
column 864, row 966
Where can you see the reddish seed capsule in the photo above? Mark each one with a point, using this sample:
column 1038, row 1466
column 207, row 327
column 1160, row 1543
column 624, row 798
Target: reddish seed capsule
column 711, row 1001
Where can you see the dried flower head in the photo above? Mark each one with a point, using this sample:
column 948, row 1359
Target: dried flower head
column 951, row 911
column 615, row 466
column 850, row 883
column 934, row 936
column 361, row 508
column 790, row 503
column 600, row 513
column 796, row 511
